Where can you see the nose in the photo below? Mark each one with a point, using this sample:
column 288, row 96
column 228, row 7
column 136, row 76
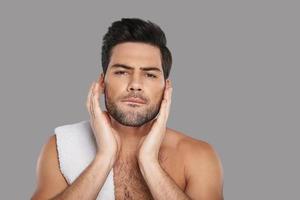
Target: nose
column 135, row 84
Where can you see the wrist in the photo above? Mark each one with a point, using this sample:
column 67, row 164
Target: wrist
column 148, row 165
column 147, row 160
column 106, row 159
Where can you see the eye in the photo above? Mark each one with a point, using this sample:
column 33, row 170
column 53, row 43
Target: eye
column 119, row 72
column 151, row 75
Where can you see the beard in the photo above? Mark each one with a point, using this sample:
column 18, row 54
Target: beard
column 131, row 117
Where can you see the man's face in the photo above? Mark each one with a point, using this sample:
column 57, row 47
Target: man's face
column 134, row 73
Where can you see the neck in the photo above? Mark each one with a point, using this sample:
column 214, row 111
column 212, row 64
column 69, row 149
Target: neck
column 130, row 136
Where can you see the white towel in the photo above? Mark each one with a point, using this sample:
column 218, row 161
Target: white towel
column 76, row 148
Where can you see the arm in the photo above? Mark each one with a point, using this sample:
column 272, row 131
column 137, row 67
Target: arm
column 156, row 178
column 52, row 185
column 159, row 182
column 203, row 171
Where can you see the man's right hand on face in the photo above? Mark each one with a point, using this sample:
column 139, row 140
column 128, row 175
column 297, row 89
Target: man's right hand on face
column 107, row 139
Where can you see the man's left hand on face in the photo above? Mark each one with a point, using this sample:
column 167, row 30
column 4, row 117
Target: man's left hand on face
column 149, row 146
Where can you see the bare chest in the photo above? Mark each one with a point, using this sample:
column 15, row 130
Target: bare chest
column 130, row 184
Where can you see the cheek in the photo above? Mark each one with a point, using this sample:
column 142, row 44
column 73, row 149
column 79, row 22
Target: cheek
column 157, row 96
column 109, row 94
column 114, row 90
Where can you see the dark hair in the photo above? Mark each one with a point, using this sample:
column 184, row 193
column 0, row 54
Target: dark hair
column 136, row 30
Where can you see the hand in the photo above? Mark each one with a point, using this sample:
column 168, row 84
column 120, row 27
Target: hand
column 149, row 146
column 107, row 139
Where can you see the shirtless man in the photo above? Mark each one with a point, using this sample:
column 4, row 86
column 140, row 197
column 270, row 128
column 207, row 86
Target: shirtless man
column 149, row 160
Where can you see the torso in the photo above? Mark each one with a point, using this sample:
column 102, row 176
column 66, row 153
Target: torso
column 128, row 179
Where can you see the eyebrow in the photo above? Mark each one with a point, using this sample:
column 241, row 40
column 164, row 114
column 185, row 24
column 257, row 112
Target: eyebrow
column 131, row 68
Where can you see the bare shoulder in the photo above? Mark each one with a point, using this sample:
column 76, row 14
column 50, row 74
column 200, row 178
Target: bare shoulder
column 49, row 180
column 190, row 148
column 197, row 153
column 203, row 169
column 187, row 144
column 195, row 147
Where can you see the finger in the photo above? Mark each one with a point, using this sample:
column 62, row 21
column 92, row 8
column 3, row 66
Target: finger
column 106, row 117
column 88, row 104
column 166, row 90
column 169, row 98
column 164, row 107
column 162, row 104
column 95, row 100
column 169, row 101
column 92, row 102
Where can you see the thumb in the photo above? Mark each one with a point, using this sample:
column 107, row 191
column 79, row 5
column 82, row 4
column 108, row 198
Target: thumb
column 106, row 116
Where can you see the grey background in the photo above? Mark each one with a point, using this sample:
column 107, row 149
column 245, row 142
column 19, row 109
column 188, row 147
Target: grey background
column 235, row 77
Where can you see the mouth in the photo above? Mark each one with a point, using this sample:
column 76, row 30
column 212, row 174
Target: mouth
column 136, row 101
column 134, row 104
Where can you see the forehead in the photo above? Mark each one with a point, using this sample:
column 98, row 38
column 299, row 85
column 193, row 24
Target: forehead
column 136, row 54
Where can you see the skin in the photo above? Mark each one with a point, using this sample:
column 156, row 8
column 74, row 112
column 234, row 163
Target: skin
column 143, row 84
column 126, row 131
